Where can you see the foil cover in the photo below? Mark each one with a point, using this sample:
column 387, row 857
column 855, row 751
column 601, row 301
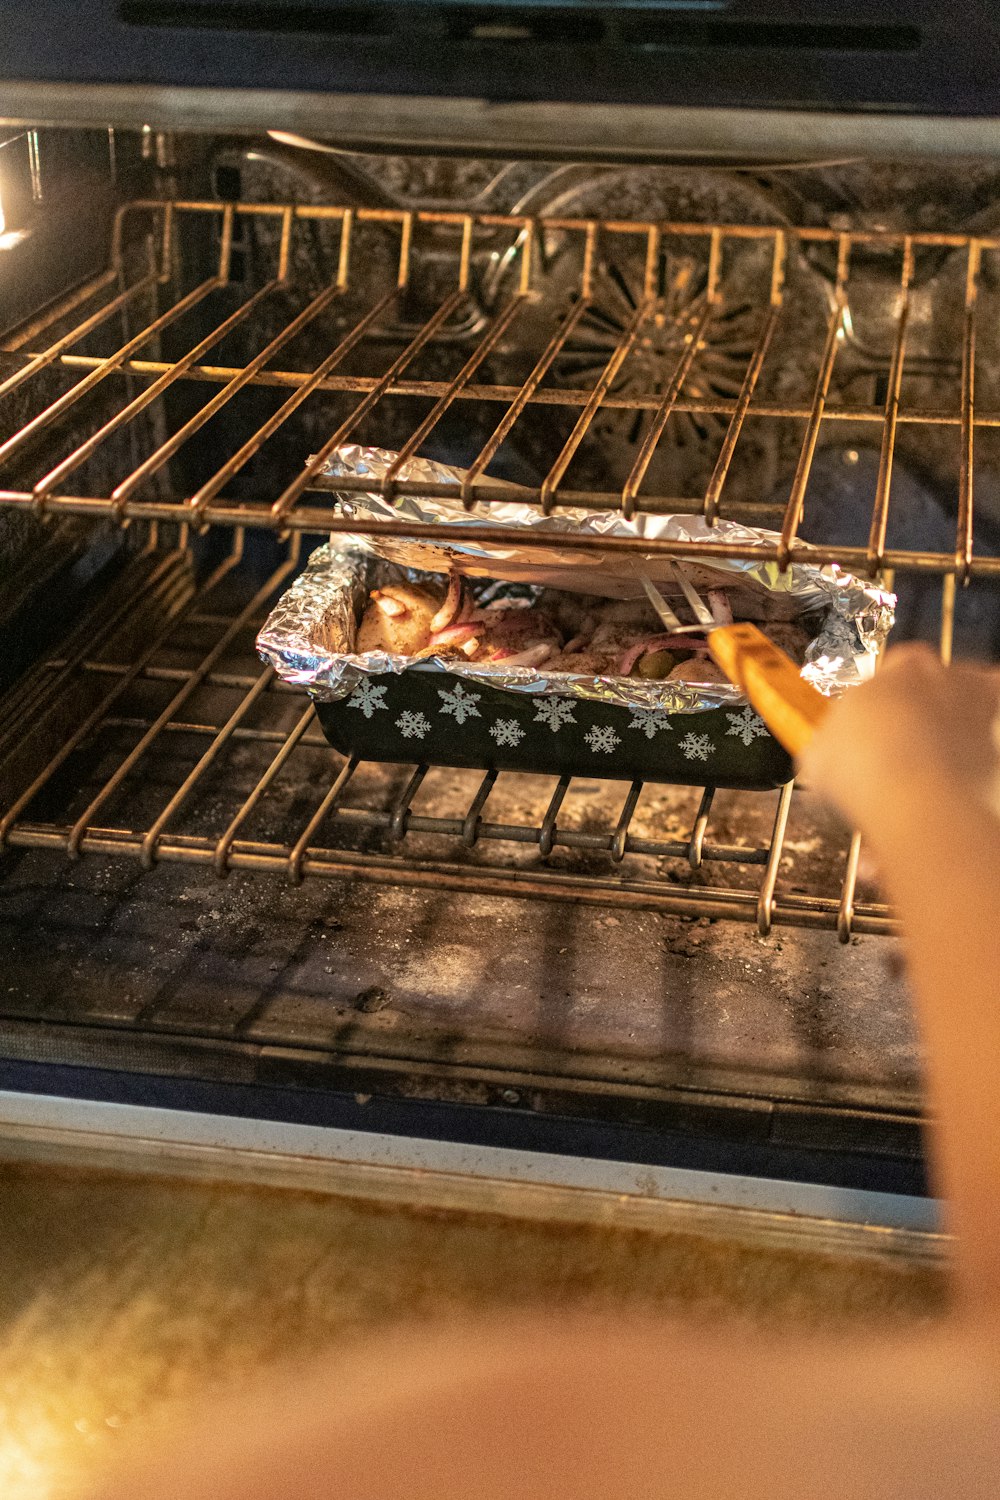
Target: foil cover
column 309, row 636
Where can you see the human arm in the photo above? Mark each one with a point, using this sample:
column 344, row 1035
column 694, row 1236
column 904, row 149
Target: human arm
column 911, row 759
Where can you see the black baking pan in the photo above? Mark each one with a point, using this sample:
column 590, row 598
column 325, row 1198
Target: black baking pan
column 426, row 715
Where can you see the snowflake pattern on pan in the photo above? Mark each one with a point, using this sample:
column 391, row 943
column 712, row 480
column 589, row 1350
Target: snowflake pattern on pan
column 460, row 703
column 748, row 725
column 697, row 746
column 602, row 738
column 507, row 731
column 649, row 721
column 368, row 697
column 555, row 712
column 412, row 725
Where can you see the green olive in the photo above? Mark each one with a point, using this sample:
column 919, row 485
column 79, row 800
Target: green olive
column 658, row 663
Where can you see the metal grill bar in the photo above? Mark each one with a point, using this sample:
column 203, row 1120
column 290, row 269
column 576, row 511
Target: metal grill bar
column 103, row 369
column 796, row 500
column 939, row 239
column 625, row 838
column 475, row 242
column 561, row 396
column 725, row 458
column 202, row 496
column 963, row 538
column 180, row 697
column 60, row 308
column 662, row 416
column 624, row 348
column 740, row 905
column 94, row 718
column 880, row 512
column 298, row 485
column 48, row 356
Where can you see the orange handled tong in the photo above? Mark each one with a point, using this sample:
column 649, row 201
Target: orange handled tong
column 791, row 708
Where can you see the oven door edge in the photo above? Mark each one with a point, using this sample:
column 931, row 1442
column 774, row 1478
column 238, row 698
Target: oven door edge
column 591, row 132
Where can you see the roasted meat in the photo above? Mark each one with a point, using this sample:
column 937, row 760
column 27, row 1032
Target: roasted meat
column 584, row 634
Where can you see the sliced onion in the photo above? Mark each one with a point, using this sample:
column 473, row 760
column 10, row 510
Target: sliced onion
column 718, row 603
column 453, row 635
column 452, row 603
column 534, row 656
column 470, row 647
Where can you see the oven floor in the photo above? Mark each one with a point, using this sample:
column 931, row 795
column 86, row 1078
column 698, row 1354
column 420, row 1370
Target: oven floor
column 544, row 1008
column 123, row 1298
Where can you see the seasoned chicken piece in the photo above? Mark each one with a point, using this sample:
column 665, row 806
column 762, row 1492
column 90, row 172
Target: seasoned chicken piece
column 585, row 663
column 398, row 619
column 518, row 637
column 571, row 612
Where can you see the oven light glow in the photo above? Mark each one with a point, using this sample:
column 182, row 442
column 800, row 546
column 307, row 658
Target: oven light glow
column 9, row 237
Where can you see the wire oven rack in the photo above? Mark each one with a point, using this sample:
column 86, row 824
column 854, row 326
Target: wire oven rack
column 158, row 736
column 467, row 286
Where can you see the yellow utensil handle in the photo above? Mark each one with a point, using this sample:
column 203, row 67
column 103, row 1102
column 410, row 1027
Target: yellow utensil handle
column 791, row 708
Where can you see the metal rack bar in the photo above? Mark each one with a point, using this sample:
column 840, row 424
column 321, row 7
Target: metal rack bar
column 95, row 717
column 766, row 897
column 845, row 914
column 559, row 396
column 472, row 819
column 63, row 403
column 963, row 536
column 880, row 510
column 61, row 307
column 205, row 493
column 331, row 864
column 314, row 519
column 48, row 356
column 775, row 301
column 796, row 500
column 301, row 482
column 147, row 857
column 666, row 407
column 528, row 392
column 621, row 353
column 181, row 696
column 289, row 744
column 817, row 234
column 493, row 335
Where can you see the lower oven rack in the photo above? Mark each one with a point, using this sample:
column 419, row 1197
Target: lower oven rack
column 157, row 736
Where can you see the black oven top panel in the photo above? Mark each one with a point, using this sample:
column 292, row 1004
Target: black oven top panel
column 901, row 56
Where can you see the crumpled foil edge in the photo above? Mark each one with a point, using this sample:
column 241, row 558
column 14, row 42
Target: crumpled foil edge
column 310, row 634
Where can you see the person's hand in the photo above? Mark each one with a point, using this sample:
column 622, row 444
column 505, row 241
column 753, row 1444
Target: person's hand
column 917, row 733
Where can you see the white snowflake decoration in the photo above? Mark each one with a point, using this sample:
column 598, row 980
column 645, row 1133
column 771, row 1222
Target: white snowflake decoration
column 412, row 725
column 602, row 738
column 649, row 721
column 460, row 703
column 555, row 712
column 507, row 731
column 697, row 746
column 367, row 697
column 748, row 725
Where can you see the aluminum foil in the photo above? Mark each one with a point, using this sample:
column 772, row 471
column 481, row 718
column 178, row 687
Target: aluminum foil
column 310, row 635
column 580, row 570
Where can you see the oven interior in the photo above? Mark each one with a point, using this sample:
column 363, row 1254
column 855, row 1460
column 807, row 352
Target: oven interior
column 202, row 904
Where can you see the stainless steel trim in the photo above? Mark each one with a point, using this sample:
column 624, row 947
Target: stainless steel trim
column 593, row 131
column 519, row 1184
